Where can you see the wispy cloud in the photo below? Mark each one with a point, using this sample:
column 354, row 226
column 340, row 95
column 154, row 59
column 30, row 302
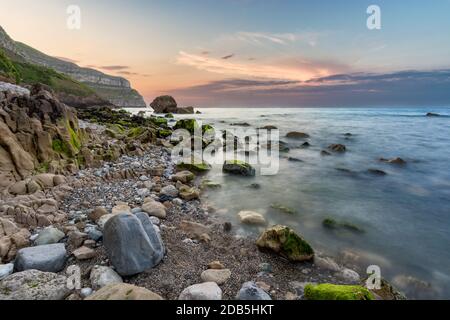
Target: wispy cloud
column 228, row 57
column 294, row 69
column 114, row 68
column 311, row 38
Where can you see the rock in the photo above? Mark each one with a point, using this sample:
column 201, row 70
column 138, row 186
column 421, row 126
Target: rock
column 195, row 165
column 121, row 208
column 7, row 227
column 250, row 291
column 167, row 104
column 183, row 176
column 216, row 265
column 49, row 235
column 326, row 264
column 189, row 193
column 208, row 184
column 97, row 213
column 227, row 226
column 250, row 217
column 238, row 167
column 432, row 114
column 143, row 192
column 297, row 135
column 34, row 285
column 123, row 291
column 102, row 276
column 285, row 242
column 170, row 191
column 202, row 291
column 47, row 258
column 398, row 161
column 84, row 253
column 349, row 276
column 85, row 292
column 336, row 292
column 190, row 125
column 154, row 208
column 6, row 270
column 93, row 233
column 104, row 219
column 155, row 220
column 377, row 172
column 195, row 230
column 214, row 275
column 266, row 267
column 76, row 239
column 132, row 243
column 325, row 153
column 337, row 147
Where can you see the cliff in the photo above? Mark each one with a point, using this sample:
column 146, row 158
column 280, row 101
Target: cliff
column 115, row 90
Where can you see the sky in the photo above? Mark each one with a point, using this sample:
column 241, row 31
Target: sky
column 252, row 52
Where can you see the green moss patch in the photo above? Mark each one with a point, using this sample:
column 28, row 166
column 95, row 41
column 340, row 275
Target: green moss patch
column 337, row 292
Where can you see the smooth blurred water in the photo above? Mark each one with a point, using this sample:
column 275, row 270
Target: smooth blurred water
column 405, row 214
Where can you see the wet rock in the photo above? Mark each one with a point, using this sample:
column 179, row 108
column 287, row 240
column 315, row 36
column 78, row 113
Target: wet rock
column 132, row 243
column 238, row 167
column 183, row 177
column 123, row 291
column 285, row 242
column 297, row 135
column 34, row 285
column 203, row 291
column 189, row 193
column 102, row 276
column 215, row 275
column 377, row 172
column 336, row 292
column 250, row 291
column 398, row 161
column 325, row 153
column 195, row 165
column 250, row 217
column 337, row 148
column 154, row 208
column 432, row 114
column 49, row 235
column 47, row 258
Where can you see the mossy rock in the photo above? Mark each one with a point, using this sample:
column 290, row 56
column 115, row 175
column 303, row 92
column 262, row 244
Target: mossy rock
column 187, row 124
column 196, row 166
column 238, row 167
column 159, row 121
column 328, row 291
column 208, row 184
column 169, row 116
column 284, row 209
column 164, row 133
column 285, row 242
column 332, row 224
column 136, row 132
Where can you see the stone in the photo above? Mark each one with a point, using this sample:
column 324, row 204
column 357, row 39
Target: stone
column 132, row 243
column 121, row 208
column 124, row 291
column 164, row 104
column 103, row 219
column 76, row 239
column 218, row 276
column 6, row 270
column 285, row 242
column 377, row 172
column 337, row 147
column 170, row 191
column 326, row 264
column 251, row 217
column 349, row 276
column 155, row 220
column 328, row 291
column 297, row 135
column 49, row 235
column 216, row 265
column 202, row 291
column 93, row 233
column 84, row 253
column 97, row 213
column 7, row 227
column 102, row 276
column 85, row 292
column 238, row 167
column 154, row 208
column 47, row 258
column 195, row 230
column 250, row 291
column 34, row 285
column 189, row 193
column 398, row 161
column 196, row 165
column 183, row 176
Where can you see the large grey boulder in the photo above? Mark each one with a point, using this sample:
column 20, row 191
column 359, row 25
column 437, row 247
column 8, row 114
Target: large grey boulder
column 250, row 291
column 132, row 243
column 34, row 285
column 49, row 258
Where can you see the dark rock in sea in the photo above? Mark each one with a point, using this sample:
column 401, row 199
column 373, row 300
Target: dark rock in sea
column 306, row 144
column 167, row 104
column 377, row 172
column 256, row 186
column 398, row 161
column 325, row 153
column 132, row 243
column 348, row 134
column 238, row 167
column 332, row 224
column 297, row 135
column 432, row 114
column 337, row 147
column 240, row 124
column 292, row 159
column 198, row 112
column 268, row 127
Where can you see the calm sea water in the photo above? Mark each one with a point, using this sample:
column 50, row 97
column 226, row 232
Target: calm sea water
column 405, row 214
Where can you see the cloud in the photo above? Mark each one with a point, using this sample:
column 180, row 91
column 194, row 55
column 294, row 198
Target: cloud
column 228, row 57
column 402, row 88
column 114, row 68
column 258, row 38
column 286, row 69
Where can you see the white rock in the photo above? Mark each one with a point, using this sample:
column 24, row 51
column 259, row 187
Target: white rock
column 350, row 275
column 86, row 292
column 251, row 217
column 202, row 291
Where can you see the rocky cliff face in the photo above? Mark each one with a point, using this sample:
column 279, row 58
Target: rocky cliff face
column 116, row 90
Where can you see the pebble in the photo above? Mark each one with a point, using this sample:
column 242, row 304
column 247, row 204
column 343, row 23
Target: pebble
column 84, row 253
column 215, row 275
column 85, row 292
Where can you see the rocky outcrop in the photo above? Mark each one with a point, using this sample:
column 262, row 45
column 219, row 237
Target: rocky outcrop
column 116, row 90
column 167, row 104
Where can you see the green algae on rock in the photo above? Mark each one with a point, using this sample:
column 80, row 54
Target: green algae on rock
column 195, row 165
column 187, row 124
column 332, row 224
column 328, row 291
column 238, row 167
column 285, row 242
column 282, row 208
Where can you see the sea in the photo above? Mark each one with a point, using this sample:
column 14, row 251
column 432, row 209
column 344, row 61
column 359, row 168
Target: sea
column 399, row 221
